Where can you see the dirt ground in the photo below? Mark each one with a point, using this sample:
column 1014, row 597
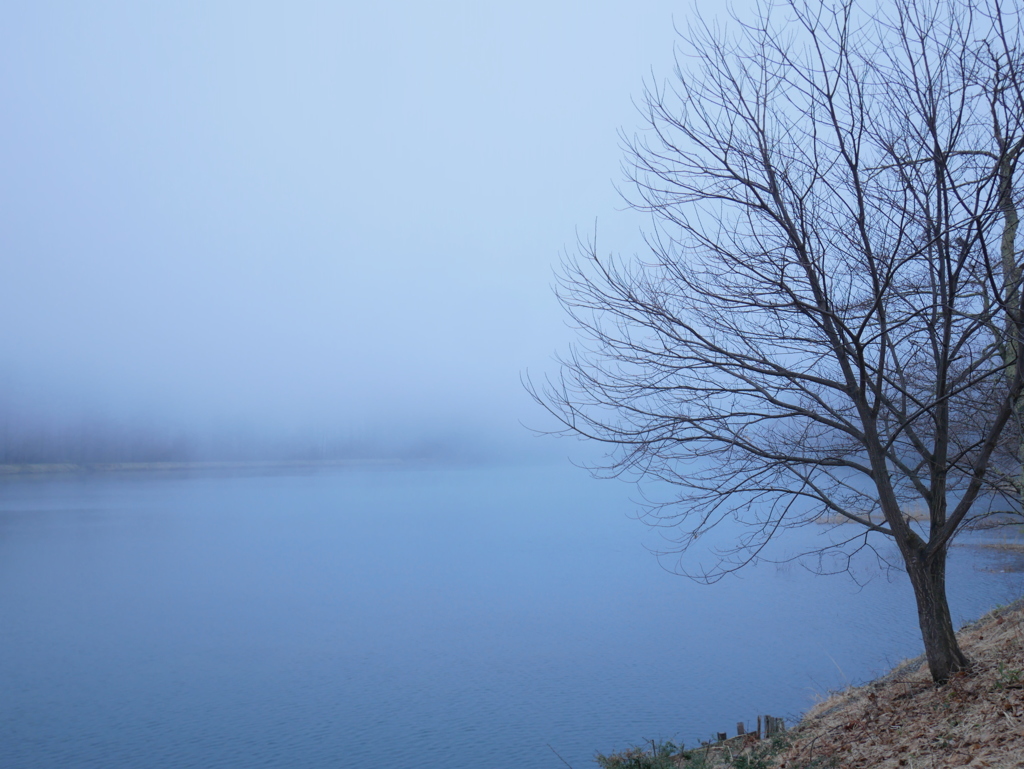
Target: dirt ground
column 902, row 720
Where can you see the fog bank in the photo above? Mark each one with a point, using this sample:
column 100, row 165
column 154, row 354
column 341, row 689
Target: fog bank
column 234, row 225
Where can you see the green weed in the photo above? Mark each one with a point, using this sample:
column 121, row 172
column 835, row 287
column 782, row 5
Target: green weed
column 1008, row 677
column 666, row 755
column 660, row 755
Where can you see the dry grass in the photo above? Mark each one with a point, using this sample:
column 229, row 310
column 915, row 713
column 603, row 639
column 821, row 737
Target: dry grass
column 1006, row 547
column 915, row 513
column 902, row 720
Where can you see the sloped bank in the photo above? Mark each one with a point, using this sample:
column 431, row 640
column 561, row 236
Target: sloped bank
column 903, row 720
column 898, row 721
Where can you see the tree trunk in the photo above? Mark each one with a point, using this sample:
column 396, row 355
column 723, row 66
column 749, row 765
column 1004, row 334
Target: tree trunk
column 928, row 576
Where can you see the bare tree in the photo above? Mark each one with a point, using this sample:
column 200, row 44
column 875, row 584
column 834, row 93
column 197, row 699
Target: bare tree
column 828, row 317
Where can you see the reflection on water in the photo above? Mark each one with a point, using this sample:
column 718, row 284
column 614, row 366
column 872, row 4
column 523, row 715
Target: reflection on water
column 457, row 618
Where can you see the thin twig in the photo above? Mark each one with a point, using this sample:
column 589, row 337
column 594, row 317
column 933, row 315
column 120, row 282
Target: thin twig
column 559, row 757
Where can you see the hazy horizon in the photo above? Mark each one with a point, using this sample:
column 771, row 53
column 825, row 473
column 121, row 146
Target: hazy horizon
column 313, row 218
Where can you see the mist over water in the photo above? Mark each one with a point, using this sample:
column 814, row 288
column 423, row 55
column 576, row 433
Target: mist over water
column 45, row 431
column 316, row 231
column 244, row 224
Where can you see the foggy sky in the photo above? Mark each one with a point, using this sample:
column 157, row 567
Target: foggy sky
column 305, row 214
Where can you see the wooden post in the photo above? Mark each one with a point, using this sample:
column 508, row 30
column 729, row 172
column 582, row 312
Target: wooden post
column 759, row 727
column 740, row 729
column 773, row 726
column 723, row 736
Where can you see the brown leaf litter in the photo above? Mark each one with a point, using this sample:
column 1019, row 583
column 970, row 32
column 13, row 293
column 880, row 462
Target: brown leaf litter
column 904, row 721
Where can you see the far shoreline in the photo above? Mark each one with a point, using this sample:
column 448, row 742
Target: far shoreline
column 69, row 468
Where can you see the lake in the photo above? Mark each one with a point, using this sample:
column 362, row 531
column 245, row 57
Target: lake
column 403, row 616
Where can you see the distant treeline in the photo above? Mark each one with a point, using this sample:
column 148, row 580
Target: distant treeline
column 95, row 441
column 83, row 441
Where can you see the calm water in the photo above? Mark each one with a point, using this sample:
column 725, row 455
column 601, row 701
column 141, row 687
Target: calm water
column 441, row 618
